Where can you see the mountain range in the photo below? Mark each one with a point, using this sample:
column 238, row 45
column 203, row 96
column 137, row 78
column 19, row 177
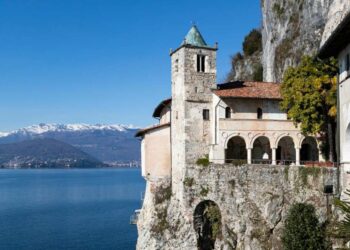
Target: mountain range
column 110, row 144
column 45, row 153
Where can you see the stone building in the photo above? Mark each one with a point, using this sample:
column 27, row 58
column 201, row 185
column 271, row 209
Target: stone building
column 235, row 121
column 238, row 129
column 337, row 44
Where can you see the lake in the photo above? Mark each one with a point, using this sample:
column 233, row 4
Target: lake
column 69, row 209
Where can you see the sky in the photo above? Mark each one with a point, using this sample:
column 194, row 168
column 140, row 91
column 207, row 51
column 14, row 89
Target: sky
column 104, row 61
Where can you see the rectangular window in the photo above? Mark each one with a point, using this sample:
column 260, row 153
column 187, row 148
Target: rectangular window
column 203, row 64
column 200, row 63
column 206, row 114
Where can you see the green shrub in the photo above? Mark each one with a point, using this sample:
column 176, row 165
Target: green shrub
column 304, row 172
column 204, row 191
column 232, row 183
column 162, row 194
column 188, row 182
column 278, row 10
column 214, row 216
column 203, row 161
column 341, row 228
column 258, row 73
column 252, row 42
column 161, row 224
column 302, row 229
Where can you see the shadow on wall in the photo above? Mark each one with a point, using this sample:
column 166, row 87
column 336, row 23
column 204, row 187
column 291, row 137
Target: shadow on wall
column 346, row 149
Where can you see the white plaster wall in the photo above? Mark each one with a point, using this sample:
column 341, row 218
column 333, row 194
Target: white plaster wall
column 165, row 115
column 247, row 109
column 157, row 156
column 343, row 74
column 344, row 106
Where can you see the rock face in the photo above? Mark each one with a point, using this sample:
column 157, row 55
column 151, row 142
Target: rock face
column 290, row 30
column 253, row 201
column 246, row 68
column 337, row 11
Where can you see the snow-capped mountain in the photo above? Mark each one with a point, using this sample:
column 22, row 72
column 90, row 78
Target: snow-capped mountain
column 53, row 127
column 108, row 143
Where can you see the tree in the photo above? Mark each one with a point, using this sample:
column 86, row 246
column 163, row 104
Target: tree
column 302, row 229
column 309, row 93
column 252, row 42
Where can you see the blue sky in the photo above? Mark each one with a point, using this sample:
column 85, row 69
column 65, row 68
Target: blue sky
column 93, row 61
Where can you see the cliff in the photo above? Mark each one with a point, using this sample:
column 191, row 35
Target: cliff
column 290, row 29
column 252, row 202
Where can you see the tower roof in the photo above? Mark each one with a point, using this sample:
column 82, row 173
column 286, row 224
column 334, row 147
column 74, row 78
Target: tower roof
column 194, row 38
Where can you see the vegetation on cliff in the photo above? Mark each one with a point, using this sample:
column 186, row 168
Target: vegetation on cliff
column 303, row 230
column 247, row 66
column 309, row 94
column 342, row 228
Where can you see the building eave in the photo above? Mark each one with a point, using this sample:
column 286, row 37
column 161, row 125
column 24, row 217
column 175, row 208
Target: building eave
column 338, row 40
column 143, row 131
column 157, row 111
column 193, row 47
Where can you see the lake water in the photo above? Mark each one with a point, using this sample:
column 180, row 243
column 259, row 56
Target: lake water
column 69, row 209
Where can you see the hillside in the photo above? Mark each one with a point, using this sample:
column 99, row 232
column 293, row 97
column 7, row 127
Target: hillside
column 107, row 143
column 44, row 153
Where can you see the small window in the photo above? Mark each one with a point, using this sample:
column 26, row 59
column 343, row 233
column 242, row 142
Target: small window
column 259, row 113
column 200, row 63
column 347, row 62
column 228, row 112
column 176, row 68
column 206, row 114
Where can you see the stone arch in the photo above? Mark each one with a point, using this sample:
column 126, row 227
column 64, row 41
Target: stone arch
column 295, row 141
column 236, row 149
column 346, row 148
column 286, row 149
column 309, row 149
column 228, row 138
column 261, row 152
column 207, row 224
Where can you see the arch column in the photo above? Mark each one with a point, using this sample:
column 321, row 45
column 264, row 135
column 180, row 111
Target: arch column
column 274, row 156
column 297, row 156
column 249, row 155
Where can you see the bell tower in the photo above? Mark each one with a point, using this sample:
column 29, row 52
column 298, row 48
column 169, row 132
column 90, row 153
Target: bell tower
column 193, row 76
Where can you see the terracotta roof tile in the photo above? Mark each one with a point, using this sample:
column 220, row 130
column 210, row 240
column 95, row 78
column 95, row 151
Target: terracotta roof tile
column 255, row 90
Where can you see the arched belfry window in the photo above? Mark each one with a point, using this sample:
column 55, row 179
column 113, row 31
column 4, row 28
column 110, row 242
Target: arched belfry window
column 227, row 112
column 259, row 113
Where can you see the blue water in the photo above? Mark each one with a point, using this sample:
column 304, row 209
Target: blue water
column 69, row 209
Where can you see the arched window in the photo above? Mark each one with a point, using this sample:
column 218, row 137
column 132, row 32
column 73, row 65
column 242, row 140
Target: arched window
column 227, row 112
column 259, row 113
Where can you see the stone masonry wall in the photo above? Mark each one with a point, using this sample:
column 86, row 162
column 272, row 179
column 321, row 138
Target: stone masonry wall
column 253, row 200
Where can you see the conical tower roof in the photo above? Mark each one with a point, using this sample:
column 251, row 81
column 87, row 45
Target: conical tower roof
column 194, row 38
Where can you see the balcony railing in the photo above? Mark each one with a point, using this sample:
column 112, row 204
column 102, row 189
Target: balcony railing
column 238, row 162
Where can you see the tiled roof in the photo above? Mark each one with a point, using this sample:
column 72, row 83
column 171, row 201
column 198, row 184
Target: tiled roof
column 255, row 90
column 143, row 131
column 160, row 107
